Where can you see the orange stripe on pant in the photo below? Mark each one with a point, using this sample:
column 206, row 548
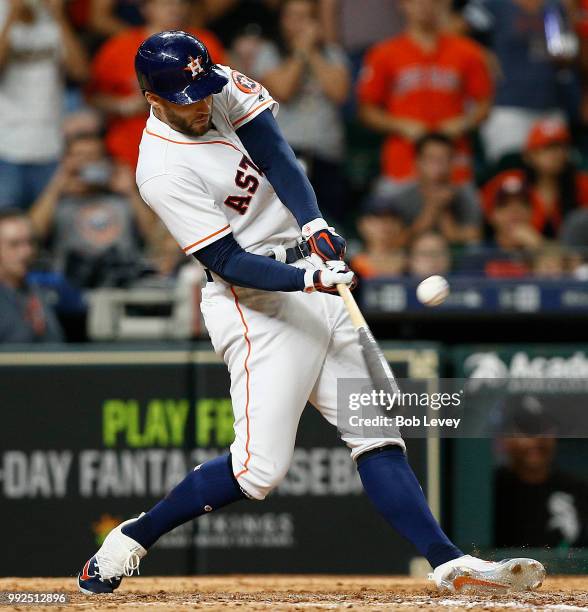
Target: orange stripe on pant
column 247, row 374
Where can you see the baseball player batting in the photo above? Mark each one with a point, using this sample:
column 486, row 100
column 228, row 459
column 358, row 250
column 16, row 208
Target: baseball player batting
column 215, row 167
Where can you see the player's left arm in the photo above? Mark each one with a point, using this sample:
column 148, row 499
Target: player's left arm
column 270, row 151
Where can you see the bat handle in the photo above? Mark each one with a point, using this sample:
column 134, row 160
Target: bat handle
column 355, row 315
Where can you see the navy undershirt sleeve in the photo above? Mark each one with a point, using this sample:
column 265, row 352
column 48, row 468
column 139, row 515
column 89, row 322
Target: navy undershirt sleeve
column 238, row 267
column 269, row 150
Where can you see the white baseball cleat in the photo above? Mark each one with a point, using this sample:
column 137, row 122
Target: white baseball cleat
column 118, row 556
column 468, row 574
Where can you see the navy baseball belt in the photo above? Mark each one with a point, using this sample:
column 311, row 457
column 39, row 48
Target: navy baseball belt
column 288, row 256
column 293, row 254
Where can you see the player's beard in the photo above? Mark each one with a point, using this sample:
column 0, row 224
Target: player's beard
column 195, row 126
column 192, row 128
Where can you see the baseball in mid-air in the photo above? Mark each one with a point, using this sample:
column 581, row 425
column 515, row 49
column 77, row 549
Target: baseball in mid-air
column 433, row 291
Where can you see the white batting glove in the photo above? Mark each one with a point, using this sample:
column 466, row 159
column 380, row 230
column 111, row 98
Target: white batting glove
column 326, row 280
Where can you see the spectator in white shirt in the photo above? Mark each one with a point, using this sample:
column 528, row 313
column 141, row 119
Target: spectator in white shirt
column 310, row 79
column 37, row 46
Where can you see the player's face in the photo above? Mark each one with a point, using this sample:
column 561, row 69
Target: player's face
column 190, row 119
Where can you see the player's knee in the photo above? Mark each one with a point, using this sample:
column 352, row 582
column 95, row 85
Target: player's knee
column 262, row 477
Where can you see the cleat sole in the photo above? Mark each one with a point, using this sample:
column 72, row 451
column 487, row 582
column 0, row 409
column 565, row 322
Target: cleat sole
column 510, row 576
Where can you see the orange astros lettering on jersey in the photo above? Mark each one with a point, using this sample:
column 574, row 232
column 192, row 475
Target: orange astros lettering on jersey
column 244, row 83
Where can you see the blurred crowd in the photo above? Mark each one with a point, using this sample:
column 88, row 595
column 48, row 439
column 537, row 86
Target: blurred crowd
column 440, row 136
column 529, row 474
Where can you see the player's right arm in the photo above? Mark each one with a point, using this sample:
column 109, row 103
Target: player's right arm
column 270, row 151
column 238, row 267
column 202, row 229
column 257, row 129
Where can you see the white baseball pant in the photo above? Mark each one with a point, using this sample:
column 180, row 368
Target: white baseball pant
column 282, row 350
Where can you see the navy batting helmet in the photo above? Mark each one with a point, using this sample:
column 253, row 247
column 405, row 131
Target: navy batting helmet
column 177, row 66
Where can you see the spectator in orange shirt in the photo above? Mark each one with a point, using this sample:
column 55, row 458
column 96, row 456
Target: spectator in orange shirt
column 114, row 88
column 556, row 187
column 422, row 81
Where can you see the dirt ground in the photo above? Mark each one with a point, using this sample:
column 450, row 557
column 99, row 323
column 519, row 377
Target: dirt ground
column 301, row 593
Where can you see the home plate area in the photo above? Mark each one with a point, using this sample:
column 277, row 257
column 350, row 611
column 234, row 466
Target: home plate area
column 296, row 592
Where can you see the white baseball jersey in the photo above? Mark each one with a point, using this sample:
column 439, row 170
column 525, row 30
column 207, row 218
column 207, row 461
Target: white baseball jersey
column 206, row 187
column 281, row 348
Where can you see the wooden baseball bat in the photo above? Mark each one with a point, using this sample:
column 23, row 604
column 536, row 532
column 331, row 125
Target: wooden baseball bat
column 377, row 365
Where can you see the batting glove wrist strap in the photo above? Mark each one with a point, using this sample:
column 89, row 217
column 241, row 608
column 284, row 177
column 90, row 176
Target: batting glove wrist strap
column 313, row 226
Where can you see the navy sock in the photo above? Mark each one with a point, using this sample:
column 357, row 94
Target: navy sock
column 393, row 488
column 209, row 487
